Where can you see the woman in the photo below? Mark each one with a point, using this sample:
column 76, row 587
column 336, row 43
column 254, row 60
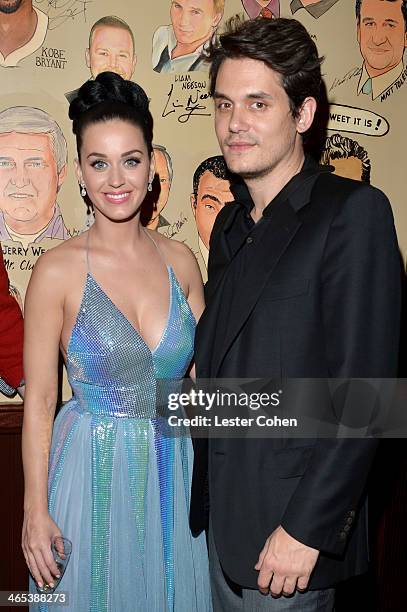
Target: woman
column 121, row 303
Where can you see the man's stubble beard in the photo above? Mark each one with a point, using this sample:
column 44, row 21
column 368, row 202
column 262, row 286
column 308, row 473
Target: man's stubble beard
column 10, row 7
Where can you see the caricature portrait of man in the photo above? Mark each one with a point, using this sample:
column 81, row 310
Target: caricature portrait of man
column 270, row 9
column 157, row 199
column 382, row 37
column 178, row 47
column 347, row 157
column 211, row 192
column 33, row 163
column 112, row 48
column 316, row 8
column 23, row 28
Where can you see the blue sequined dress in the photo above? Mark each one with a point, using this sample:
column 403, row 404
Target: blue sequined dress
column 119, row 488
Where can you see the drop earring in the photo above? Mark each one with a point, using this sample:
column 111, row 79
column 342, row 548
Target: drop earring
column 83, row 190
column 150, row 186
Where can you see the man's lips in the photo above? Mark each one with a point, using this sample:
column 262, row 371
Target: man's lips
column 239, row 146
column 117, row 198
column 379, row 50
column 20, row 196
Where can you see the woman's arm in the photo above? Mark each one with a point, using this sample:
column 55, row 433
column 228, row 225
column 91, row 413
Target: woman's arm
column 42, row 326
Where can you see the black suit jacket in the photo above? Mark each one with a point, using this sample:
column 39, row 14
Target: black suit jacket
column 322, row 299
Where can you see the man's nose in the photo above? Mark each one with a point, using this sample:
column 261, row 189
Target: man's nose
column 379, row 35
column 238, row 120
column 185, row 19
column 20, row 176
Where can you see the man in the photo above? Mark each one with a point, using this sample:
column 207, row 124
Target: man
column 382, row 38
column 23, row 28
column 33, row 164
column 156, row 200
column 347, row 157
column 315, row 8
column 270, row 9
column 178, row 47
column 11, row 338
column 111, row 48
column 211, row 191
column 303, row 282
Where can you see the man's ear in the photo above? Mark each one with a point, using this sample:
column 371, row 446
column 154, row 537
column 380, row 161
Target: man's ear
column 358, row 33
column 193, row 203
column 133, row 66
column 216, row 20
column 87, row 57
column 62, row 176
column 306, row 115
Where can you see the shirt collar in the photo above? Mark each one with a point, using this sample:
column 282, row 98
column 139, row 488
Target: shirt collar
column 316, row 10
column 291, row 190
column 32, row 45
column 380, row 83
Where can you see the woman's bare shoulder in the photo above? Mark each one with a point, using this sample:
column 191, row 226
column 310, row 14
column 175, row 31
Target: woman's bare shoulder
column 61, row 261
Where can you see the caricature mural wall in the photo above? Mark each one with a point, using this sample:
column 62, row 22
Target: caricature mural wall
column 382, row 37
column 112, row 48
column 315, row 8
column 33, row 165
column 347, row 157
column 177, row 47
column 50, row 47
column 23, row 28
column 270, row 9
column 157, row 199
column 211, row 192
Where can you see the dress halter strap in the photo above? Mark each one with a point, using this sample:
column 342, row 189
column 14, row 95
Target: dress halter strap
column 87, row 252
column 147, row 233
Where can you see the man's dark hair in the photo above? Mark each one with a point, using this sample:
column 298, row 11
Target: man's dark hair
column 403, row 10
column 284, row 45
column 216, row 165
column 342, row 147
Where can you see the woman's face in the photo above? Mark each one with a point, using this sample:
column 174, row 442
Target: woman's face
column 115, row 167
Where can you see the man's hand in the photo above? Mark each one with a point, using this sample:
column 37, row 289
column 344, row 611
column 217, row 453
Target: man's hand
column 284, row 564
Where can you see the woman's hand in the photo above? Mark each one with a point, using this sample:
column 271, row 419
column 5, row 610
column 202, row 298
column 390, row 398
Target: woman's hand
column 38, row 532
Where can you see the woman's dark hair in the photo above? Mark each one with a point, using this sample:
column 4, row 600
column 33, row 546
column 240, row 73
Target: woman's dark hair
column 283, row 44
column 108, row 97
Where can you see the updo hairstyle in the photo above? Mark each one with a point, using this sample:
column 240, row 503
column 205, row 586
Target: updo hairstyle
column 109, row 97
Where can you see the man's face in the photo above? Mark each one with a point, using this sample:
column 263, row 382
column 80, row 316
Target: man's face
column 254, row 125
column 193, row 20
column 111, row 50
column 161, row 169
column 349, row 167
column 29, row 181
column 213, row 194
column 381, row 35
column 10, row 6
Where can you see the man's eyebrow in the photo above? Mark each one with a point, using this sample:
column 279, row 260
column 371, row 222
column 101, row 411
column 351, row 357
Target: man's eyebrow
column 259, row 94
column 252, row 96
column 208, row 196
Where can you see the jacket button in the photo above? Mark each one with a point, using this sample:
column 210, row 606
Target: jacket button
column 352, row 513
column 346, row 528
column 249, row 240
column 342, row 535
column 349, row 521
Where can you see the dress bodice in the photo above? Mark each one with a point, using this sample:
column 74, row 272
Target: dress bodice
column 111, row 369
